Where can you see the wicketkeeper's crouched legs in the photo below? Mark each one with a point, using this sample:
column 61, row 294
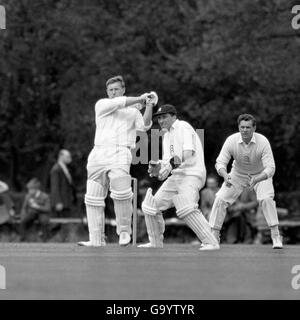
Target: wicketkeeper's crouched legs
column 121, row 194
column 94, row 202
column 154, row 221
column 192, row 216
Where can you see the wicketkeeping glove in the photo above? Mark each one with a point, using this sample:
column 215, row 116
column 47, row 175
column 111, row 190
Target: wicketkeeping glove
column 154, row 168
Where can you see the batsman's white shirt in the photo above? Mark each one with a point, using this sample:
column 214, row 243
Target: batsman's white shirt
column 182, row 137
column 117, row 124
column 252, row 158
column 115, row 136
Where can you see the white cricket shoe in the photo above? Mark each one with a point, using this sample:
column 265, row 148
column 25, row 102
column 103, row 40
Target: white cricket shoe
column 277, row 242
column 124, row 238
column 150, row 245
column 89, row 244
column 208, row 246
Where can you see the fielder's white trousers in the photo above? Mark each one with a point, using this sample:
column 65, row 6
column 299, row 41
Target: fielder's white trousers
column 263, row 189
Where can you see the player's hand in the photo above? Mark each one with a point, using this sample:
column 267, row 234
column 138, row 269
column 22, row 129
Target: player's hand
column 59, row 207
column 154, row 168
column 227, row 180
column 144, row 98
column 251, row 182
column 152, row 99
column 164, row 172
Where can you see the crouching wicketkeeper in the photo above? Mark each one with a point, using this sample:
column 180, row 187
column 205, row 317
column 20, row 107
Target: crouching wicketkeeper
column 183, row 158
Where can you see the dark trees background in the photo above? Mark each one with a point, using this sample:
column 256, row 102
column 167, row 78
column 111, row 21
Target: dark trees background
column 212, row 59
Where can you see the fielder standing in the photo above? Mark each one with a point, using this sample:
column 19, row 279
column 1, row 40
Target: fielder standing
column 117, row 120
column 253, row 167
column 182, row 157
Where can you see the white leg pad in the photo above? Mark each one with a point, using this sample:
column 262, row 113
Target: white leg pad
column 94, row 201
column 218, row 213
column 121, row 188
column 192, row 216
column 154, row 220
column 121, row 194
column 270, row 212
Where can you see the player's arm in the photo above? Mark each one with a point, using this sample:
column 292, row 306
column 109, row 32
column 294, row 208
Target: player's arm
column 107, row 106
column 148, row 115
column 222, row 162
column 268, row 164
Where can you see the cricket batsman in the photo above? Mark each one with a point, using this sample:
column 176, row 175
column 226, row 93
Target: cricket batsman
column 253, row 167
column 118, row 117
column 182, row 157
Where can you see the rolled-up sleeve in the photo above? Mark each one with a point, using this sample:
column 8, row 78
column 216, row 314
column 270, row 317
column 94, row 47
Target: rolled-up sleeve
column 189, row 140
column 224, row 156
column 268, row 160
column 106, row 106
column 140, row 123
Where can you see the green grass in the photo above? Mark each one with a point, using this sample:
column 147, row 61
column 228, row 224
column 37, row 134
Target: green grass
column 176, row 272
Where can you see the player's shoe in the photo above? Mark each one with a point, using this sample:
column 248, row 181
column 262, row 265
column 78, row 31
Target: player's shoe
column 208, row 246
column 89, row 244
column 150, row 245
column 124, row 238
column 277, row 242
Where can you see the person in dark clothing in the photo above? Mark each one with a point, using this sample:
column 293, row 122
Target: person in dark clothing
column 63, row 192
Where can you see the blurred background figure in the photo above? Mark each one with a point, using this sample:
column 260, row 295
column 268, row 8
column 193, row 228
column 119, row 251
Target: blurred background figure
column 208, row 195
column 62, row 188
column 7, row 212
column 36, row 206
column 240, row 222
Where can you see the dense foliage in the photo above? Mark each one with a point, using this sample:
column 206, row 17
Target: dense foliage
column 212, row 59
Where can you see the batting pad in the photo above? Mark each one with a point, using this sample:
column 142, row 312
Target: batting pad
column 149, row 205
column 155, row 228
column 120, row 188
column 218, row 213
column 193, row 217
column 270, row 212
column 94, row 201
column 94, row 194
column 96, row 225
column 123, row 211
column 154, row 220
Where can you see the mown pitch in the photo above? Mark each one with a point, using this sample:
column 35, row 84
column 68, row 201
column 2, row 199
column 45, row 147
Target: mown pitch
column 176, row 272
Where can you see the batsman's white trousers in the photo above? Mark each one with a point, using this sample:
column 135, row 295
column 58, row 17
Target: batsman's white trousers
column 110, row 162
column 105, row 159
column 178, row 184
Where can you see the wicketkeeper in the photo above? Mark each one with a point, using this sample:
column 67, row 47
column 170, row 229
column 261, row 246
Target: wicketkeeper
column 253, row 167
column 183, row 158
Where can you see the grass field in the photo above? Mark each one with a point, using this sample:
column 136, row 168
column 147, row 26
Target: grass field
column 176, row 272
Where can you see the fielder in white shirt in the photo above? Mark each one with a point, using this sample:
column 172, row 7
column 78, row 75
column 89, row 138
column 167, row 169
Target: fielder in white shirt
column 118, row 117
column 253, row 167
column 182, row 157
